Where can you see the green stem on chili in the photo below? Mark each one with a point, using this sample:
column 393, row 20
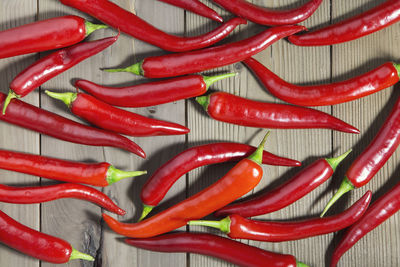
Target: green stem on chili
column 114, row 175
column 77, row 255
column 135, row 69
column 91, row 27
column 345, row 187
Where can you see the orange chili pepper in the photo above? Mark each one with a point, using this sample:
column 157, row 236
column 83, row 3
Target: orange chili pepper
column 240, row 180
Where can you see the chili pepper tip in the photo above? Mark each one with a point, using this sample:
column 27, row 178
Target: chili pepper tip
column 209, row 80
column 345, row 187
column 334, row 162
column 114, row 175
column 75, row 254
column 300, row 264
column 10, row 96
column 223, row 225
column 146, row 210
column 91, row 27
column 67, row 98
column 135, row 69
column 257, row 155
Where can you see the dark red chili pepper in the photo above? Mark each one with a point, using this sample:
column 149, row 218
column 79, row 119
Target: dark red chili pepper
column 45, row 122
column 353, row 28
column 241, row 111
column 127, row 22
column 115, row 119
column 372, row 159
column 162, row 180
column 300, row 185
column 378, row 212
column 45, row 35
column 215, row 246
column 97, row 174
column 238, row 181
column 327, row 94
column 238, row 227
column 52, row 65
column 40, row 194
column 208, row 58
column 154, row 93
column 265, row 16
column 197, row 7
column 36, row 244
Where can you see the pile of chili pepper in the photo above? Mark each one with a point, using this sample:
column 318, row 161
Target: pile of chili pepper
column 194, row 55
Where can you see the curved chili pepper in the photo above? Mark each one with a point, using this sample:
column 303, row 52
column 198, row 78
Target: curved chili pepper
column 52, row 65
column 238, row 181
column 36, row 244
column 31, row 195
column 154, row 93
column 327, row 94
column 238, row 227
column 162, row 180
column 265, row 16
column 208, row 58
column 97, row 174
column 300, row 185
column 115, row 119
column 127, row 22
column 45, row 35
column 197, row 7
column 215, row 246
column 380, row 211
column 371, row 21
column 372, row 159
column 48, row 123
column 230, row 108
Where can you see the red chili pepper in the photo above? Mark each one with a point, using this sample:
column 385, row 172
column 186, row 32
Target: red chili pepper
column 327, row 94
column 208, row 58
column 127, row 22
column 380, row 211
column 154, row 93
column 238, row 181
column 45, row 35
column 31, row 195
column 353, row 28
column 36, row 244
column 45, row 122
column 230, row 108
column 197, row 7
column 238, row 227
column 300, row 185
column 114, row 119
column 97, row 174
column 215, row 246
column 52, row 65
column 265, row 16
column 372, row 159
column 162, row 180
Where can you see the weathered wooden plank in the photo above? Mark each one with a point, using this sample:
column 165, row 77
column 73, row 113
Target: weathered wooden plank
column 13, row 14
column 74, row 220
column 158, row 149
column 379, row 247
column 299, row 65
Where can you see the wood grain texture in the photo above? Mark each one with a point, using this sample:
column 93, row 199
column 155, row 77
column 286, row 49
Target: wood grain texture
column 13, row 14
column 378, row 248
column 80, row 223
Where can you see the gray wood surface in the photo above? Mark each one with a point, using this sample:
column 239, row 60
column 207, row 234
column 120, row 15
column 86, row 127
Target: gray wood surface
column 80, row 222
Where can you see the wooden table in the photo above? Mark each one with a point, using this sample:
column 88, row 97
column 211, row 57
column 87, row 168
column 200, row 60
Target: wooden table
column 80, row 223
